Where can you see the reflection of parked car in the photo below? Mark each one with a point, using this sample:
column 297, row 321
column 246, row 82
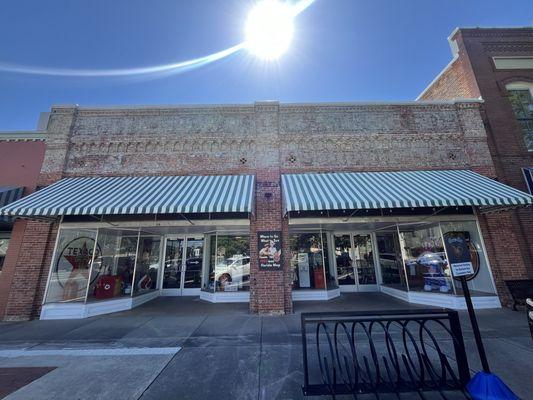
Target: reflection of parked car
column 235, row 270
column 193, row 270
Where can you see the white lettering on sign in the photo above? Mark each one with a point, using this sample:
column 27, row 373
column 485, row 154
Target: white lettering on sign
column 462, row 269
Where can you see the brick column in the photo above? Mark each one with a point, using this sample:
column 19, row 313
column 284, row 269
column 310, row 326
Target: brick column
column 503, row 251
column 28, row 269
column 270, row 290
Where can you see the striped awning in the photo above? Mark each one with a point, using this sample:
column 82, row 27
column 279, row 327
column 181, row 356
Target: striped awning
column 374, row 190
column 9, row 194
column 138, row 195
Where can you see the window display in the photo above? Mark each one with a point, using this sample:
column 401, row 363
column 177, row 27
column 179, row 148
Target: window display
column 112, row 272
column 364, row 259
column 390, row 260
column 146, row 270
column 482, row 282
column 229, row 269
column 310, row 262
column 425, row 259
column 69, row 274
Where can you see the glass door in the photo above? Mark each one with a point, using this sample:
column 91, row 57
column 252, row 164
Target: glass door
column 183, row 266
column 354, row 258
column 192, row 266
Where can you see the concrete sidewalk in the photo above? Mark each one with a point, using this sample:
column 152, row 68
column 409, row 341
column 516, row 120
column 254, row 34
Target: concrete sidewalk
column 224, row 352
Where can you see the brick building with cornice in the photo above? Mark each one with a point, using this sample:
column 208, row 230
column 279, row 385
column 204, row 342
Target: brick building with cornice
column 264, row 203
column 496, row 65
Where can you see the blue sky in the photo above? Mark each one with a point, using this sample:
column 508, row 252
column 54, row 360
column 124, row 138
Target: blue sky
column 343, row 50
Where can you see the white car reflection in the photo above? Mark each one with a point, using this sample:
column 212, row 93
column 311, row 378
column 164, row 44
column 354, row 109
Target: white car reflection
column 236, row 270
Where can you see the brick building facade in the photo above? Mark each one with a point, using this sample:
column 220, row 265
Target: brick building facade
column 266, row 140
column 21, row 157
column 491, row 64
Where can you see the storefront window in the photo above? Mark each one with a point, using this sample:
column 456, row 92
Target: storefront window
column 229, row 263
column 146, row 271
column 343, row 259
column 425, row 259
column 309, row 262
column 69, row 273
column 482, row 283
column 113, row 269
column 4, row 243
column 364, row 259
column 390, row 260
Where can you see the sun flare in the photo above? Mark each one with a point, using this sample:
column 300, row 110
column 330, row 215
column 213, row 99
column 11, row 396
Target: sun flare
column 269, row 29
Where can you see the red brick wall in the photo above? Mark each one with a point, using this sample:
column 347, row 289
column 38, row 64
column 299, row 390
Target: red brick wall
column 503, row 250
column 261, row 139
column 505, row 139
column 30, row 270
column 456, row 82
column 20, row 163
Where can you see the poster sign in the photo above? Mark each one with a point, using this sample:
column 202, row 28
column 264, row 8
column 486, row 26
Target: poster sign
column 459, row 254
column 269, row 245
column 462, row 269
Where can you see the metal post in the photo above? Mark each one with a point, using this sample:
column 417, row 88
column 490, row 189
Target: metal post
column 475, row 327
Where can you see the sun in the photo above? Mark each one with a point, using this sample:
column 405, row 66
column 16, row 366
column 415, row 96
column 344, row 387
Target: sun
column 269, row 29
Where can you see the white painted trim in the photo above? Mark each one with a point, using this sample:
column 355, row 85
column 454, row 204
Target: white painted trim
column 225, row 297
column 357, row 289
column 23, row 136
column 75, row 310
column 442, row 300
column 310, row 295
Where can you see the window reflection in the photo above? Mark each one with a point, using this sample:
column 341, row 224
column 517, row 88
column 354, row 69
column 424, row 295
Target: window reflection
column 112, row 273
column 147, row 268
column 425, row 259
column 390, row 260
column 70, row 268
column 310, row 263
column 229, row 269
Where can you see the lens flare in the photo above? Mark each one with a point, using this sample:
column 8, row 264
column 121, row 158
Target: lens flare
column 269, row 29
column 273, row 18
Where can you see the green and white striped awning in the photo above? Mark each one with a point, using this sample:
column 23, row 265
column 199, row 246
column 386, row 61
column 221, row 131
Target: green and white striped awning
column 9, row 194
column 139, row 195
column 374, row 190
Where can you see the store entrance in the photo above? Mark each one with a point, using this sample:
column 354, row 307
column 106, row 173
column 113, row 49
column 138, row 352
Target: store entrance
column 182, row 273
column 355, row 262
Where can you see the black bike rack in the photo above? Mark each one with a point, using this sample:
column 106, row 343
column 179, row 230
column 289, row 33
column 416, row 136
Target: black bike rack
column 369, row 352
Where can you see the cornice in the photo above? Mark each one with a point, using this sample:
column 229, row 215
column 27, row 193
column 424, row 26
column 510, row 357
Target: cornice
column 22, row 136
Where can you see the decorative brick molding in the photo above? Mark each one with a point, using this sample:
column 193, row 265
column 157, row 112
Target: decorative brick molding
column 272, row 137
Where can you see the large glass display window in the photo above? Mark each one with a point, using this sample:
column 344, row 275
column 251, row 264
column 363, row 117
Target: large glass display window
column 390, row 260
column 147, row 268
column 425, row 260
column 482, row 283
column 310, row 266
column 102, row 264
column 113, row 269
column 71, row 264
column 229, row 266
